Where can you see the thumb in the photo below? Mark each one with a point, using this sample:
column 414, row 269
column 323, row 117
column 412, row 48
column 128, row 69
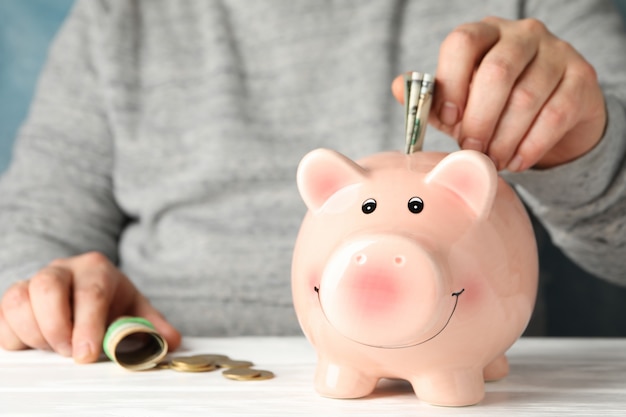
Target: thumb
column 144, row 309
column 397, row 88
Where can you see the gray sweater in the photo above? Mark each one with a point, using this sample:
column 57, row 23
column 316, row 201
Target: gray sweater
column 166, row 134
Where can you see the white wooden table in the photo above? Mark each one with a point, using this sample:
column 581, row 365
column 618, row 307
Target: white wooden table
column 549, row 377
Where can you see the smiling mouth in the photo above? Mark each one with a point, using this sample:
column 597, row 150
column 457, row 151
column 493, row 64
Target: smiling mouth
column 456, row 296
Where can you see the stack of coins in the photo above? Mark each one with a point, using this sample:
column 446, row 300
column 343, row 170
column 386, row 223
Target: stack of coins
column 418, row 92
column 238, row 370
column 192, row 364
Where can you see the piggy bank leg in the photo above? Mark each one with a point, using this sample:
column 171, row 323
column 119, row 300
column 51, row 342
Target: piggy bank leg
column 453, row 388
column 340, row 381
column 497, row 369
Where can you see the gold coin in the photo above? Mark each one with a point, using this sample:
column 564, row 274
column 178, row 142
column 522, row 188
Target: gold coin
column 211, row 357
column 264, row 375
column 191, row 361
column 247, row 374
column 233, row 364
column 184, row 368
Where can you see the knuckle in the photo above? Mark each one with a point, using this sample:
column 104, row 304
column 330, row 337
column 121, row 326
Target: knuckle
column 463, row 36
column 94, row 258
column 492, row 19
column 562, row 48
column 556, row 116
column 532, row 25
column 523, row 98
column 95, row 290
column 499, row 69
column 16, row 296
column 46, row 281
column 585, row 72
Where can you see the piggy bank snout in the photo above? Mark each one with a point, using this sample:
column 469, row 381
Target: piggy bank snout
column 383, row 290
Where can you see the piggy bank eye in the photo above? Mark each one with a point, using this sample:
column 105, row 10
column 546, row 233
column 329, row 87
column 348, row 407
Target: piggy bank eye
column 368, row 206
column 416, row 205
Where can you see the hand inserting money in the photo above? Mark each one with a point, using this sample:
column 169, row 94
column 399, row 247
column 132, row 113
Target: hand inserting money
column 418, row 91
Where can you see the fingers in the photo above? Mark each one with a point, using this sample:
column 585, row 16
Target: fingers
column 492, row 84
column 8, row 339
column 49, row 292
column 459, row 55
column 95, row 285
column 526, row 100
column 63, row 307
column 397, row 88
column 513, row 90
column 67, row 305
column 11, row 306
column 557, row 117
column 19, row 317
column 101, row 294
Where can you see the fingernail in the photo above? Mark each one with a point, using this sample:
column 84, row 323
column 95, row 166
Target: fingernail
column 449, row 113
column 472, row 144
column 81, row 352
column 515, row 164
column 65, row 349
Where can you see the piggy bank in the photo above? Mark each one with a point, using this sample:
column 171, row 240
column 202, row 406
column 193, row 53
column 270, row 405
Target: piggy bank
column 420, row 267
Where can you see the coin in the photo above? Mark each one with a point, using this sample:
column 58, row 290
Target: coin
column 183, row 368
column 191, row 361
column 211, row 357
column 239, row 370
column 247, row 374
column 192, row 364
column 229, row 363
column 241, row 373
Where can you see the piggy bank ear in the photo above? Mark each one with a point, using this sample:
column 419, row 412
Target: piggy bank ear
column 322, row 173
column 471, row 176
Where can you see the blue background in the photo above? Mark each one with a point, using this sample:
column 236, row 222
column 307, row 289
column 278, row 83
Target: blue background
column 26, row 28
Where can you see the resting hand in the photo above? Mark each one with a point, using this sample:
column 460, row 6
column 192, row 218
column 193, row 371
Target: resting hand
column 513, row 90
column 67, row 305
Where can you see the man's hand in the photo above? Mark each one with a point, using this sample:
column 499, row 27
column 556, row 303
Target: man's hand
column 67, row 305
column 513, row 90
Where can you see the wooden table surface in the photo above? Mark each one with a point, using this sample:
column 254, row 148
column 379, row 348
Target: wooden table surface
column 549, row 377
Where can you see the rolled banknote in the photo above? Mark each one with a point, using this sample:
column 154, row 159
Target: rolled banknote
column 419, row 89
column 134, row 344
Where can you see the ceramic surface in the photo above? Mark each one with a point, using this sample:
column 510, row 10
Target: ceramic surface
column 421, row 267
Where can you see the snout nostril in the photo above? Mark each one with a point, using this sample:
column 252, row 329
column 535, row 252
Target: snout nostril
column 360, row 259
column 399, row 260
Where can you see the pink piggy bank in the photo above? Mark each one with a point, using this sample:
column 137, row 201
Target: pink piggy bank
column 420, row 267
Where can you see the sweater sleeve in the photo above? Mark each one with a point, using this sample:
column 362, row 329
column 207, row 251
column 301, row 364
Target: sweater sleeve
column 56, row 198
column 583, row 203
